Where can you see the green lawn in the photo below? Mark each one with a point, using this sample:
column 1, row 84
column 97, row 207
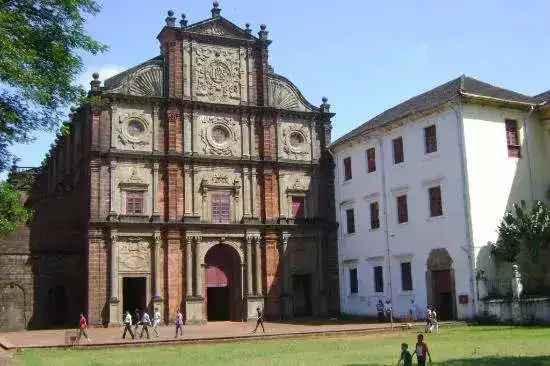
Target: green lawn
column 497, row 345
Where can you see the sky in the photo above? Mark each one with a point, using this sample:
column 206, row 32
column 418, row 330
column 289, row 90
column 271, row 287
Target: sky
column 364, row 56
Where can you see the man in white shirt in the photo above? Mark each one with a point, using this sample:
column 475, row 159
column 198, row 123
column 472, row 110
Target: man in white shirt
column 156, row 322
column 145, row 323
column 388, row 311
column 127, row 325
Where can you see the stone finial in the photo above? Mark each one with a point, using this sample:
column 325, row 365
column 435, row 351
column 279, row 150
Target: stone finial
column 170, row 19
column 216, row 9
column 325, row 107
column 270, row 69
column 248, row 30
column 263, row 33
column 95, row 83
column 183, row 21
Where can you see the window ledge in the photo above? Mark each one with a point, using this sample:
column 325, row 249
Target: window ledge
column 374, row 230
column 432, row 155
column 435, row 218
column 349, row 235
column 401, row 165
column 347, row 182
column 406, row 293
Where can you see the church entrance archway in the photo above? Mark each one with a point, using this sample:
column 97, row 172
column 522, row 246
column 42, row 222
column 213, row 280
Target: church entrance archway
column 223, row 283
column 58, row 305
column 441, row 284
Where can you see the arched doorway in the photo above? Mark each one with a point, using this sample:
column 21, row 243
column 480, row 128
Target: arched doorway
column 440, row 282
column 58, row 304
column 222, row 283
column 12, row 308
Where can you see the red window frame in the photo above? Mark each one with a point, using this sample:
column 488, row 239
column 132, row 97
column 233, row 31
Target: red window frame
column 134, row 203
column 436, row 204
column 347, row 168
column 402, row 209
column 220, row 208
column 512, row 138
column 430, row 139
column 371, row 160
column 298, row 205
column 398, row 152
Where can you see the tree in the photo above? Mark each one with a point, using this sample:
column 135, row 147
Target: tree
column 40, row 46
column 522, row 229
column 12, row 211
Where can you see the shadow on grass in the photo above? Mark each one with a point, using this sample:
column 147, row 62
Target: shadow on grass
column 484, row 361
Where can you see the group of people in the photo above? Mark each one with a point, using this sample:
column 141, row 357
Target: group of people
column 384, row 311
column 431, row 321
column 420, row 350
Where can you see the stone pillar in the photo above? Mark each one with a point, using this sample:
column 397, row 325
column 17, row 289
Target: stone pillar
column 114, row 316
column 244, row 135
column 187, row 135
column 284, row 210
column 112, row 188
column 287, row 299
column 113, row 124
column 253, row 189
column 198, row 278
column 188, row 267
column 188, row 186
column 194, row 192
column 246, row 193
column 157, row 298
column 155, row 127
column 154, row 189
column 252, row 139
column 249, row 265
column 259, row 276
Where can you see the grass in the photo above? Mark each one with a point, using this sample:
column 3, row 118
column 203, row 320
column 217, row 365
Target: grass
column 496, row 345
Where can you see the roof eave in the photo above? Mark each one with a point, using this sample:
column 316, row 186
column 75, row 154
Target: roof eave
column 485, row 98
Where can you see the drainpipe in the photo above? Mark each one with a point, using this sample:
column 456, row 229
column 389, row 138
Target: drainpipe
column 466, row 202
column 527, row 150
column 339, row 240
column 386, row 229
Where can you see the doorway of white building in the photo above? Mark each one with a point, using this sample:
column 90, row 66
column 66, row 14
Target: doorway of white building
column 441, row 284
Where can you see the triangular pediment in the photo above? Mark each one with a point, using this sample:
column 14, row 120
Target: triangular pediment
column 220, row 27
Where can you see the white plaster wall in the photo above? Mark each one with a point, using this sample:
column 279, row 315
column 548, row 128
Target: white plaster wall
column 496, row 181
column 410, row 241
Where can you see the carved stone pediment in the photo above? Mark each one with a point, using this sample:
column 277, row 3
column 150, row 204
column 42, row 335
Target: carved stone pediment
column 134, row 181
column 282, row 94
column 220, row 27
column 143, row 80
column 216, row 74
column 134, row 255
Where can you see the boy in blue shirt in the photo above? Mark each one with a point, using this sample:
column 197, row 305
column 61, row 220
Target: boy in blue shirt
column 406, row 356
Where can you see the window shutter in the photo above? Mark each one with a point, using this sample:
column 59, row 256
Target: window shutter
column 298, row 207
column 347, row 168
column 221, row 209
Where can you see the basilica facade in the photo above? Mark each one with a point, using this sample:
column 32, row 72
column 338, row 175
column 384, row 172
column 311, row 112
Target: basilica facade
column 207, row 185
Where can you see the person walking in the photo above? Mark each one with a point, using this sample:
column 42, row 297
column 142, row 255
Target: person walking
column 156, row 322
column 137, row 317
column 260, row 320
column 428, row 326
column 145, row 323
column 421, row 350
column 179, row 324
column 83, row 331
column 380, row 310
column 127, row 325
column 388, row 311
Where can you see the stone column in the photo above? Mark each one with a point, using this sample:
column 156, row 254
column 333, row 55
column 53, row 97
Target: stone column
column 249, row 265
column 287, row 299
column 187, row 135
column 198, row 269
column 194, row 192
column 244, row 136
column 113, row 124
column 188, row 267
column 246, row 193
column 188, row 187
column 154, row 188
column 114, row 317
column 155, row 126
column 252, row 139
column 259, row 282
column 253, row 191
column 112, row 185
column 157, row 242
column 284, row 210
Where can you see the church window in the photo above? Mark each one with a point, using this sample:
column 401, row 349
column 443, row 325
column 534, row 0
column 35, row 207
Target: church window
column 135, row 128
column 134, row 203
column 298, row 207
column 220, row 208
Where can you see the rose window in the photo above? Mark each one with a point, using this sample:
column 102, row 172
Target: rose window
column 296, row 139
column 135, row 128
column 220, row 134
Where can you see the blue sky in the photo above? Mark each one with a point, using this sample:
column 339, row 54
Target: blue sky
column 364, row 56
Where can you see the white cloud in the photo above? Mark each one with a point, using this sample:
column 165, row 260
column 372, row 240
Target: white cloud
column 105, row 72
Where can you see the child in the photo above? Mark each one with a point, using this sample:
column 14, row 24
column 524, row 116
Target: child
column 260, row 320
column 179, row 324
column 421, row 350
column 83, row 328
column 405, row 355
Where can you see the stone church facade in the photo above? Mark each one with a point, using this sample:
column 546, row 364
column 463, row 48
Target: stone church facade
column 206, row 182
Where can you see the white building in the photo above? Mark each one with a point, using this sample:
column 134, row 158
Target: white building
column 421, row 188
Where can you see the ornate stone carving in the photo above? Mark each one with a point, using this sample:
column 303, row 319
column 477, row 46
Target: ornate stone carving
column 134, row 130
column 146, row 82
column 295, row 141
column 217, row 74
column 219, row 135
column 134, row 255
column 281, row 96
column 299, row 184
column 219, row 178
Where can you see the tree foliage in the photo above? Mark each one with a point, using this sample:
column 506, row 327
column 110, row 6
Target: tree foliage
column 523, row 229
column 12, row 211
column 40, row 46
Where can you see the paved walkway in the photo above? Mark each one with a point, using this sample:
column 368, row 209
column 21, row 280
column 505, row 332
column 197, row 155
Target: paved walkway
column 211, row 332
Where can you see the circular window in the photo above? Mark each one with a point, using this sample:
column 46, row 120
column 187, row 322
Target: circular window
column 220, row 134
column 296, row 139
column 135, row 128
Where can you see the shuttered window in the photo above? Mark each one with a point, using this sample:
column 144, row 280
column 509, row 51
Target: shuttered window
column 134, row 203
column 436, row 206
column 220, row 208
column 353, row 282
column 350, row 221
column 371, row 160
column 512, row 139
column 347, row 168
column 430, row 139
column 402, row 209
column 378, row 279
column 406, row 276
column 398, row 153
column 374, row 215
column 298, row 207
